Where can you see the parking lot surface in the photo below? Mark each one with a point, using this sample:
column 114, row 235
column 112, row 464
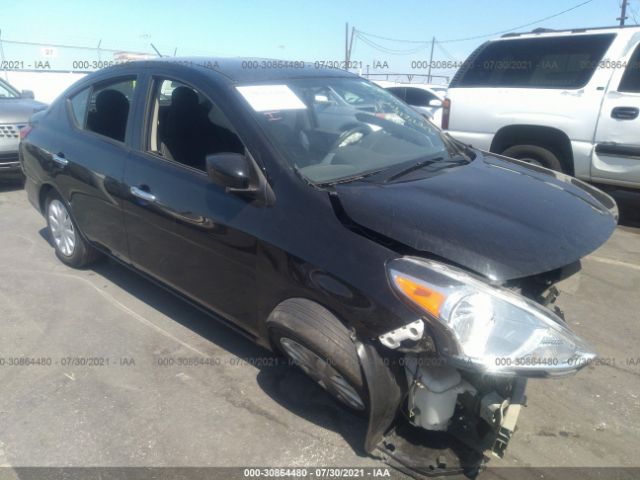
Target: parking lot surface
column 107, row 398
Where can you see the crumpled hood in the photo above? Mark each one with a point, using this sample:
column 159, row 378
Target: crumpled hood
column 499, row 217
column 18, row 110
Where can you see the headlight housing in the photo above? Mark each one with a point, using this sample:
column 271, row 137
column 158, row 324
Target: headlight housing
column 480, row 326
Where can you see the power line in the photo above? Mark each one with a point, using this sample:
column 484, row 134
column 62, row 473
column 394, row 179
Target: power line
column 387, row 50
column 476, row 37
column 634, row 12
column 519, row 26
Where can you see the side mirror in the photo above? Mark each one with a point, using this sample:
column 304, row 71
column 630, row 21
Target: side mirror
column 27, row 94
column 435, row 103
column 232, row 171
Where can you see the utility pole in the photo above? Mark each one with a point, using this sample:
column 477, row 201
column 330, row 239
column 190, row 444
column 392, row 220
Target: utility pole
column 433, row 42
column 6, row 75
column 353, row 32
column 623, row 12
column 346, row 45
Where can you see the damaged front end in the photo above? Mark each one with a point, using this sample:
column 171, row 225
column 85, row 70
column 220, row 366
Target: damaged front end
column 448, row 387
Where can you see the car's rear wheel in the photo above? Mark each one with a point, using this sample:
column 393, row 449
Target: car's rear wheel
column 535, row 155
column 71, row 248
column 317, row 342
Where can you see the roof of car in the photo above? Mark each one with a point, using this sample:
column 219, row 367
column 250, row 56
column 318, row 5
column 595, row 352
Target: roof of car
column 251, row 70
column 551, row 32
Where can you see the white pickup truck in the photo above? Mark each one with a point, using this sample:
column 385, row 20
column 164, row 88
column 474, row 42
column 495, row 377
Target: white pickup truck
column 567, row 100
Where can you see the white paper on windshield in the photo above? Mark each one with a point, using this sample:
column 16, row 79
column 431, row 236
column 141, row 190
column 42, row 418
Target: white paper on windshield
column 265, row 98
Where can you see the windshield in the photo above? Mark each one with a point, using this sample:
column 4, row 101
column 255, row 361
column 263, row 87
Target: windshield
column 7, row 91
column 335, row 129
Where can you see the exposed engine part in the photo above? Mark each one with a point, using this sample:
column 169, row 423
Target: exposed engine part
column 433, row 392
column 411, row 331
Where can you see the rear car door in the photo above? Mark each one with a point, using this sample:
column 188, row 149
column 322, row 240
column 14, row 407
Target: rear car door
column 616, row 156
column 183, row 229
column 87, row 157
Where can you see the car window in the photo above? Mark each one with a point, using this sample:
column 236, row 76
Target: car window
column 186, row 126
column 79, row 106
column 397, row 91
column 546, row 62
column 327, row 137
column 418, row 97
column 104, row 108
column 631, row 79
column 6, row 91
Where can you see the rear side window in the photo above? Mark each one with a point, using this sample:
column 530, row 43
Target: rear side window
column 546, row 62
column 419, row 97
column 398, row 92
column 79, row 104
column 104, row 108
column 631, row 79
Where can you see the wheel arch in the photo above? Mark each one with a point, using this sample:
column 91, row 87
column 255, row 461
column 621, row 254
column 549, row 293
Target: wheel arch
column 550, row 138
column 44, row 192
column 273, row 315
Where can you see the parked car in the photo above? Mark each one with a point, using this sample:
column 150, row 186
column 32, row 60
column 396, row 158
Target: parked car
column 400, row 269
column 567, row 100
column 15, row 109
column 423, row 98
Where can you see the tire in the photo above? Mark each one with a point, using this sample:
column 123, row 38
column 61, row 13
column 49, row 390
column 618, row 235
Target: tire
column 308, row 325
column 536, row 155
column 71, row 247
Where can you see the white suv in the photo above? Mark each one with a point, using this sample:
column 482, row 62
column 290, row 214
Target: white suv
column 567, row 100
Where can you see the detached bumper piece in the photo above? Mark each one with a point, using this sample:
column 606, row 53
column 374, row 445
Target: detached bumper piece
column 483, row 422
column 422, row 454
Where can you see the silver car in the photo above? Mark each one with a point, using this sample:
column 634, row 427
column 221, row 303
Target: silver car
column 15, row 109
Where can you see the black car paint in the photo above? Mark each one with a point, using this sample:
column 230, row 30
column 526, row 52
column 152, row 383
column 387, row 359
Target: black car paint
column 496, row 217
column 238, row 256
column 194, row 226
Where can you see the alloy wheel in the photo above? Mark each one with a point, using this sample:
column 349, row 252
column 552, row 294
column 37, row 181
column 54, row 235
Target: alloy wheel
column 61, row 226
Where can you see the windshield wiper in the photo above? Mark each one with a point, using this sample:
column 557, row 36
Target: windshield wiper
column 350, row 179
column 394, row 175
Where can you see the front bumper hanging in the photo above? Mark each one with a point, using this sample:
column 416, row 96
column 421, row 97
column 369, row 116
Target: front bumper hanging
column 482, row 425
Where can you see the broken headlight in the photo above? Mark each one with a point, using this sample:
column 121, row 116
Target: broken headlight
column 480, row 326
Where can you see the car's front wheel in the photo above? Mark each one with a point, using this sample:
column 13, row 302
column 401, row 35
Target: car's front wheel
column 318, row 343
column 71, row 248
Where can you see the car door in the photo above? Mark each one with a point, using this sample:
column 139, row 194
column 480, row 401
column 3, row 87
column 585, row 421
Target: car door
column 89, row 158
column 616, row 156
column 182, row 229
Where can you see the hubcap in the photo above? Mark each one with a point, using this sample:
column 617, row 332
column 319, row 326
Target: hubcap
column 322, row 373
column 61, row 227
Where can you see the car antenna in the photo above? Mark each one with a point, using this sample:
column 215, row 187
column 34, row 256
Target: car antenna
column 157, row 51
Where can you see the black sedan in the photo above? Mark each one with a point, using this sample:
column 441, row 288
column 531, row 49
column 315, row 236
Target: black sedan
column 322, row 217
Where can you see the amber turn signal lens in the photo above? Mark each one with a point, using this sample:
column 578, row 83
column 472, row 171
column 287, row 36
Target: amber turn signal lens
column 428, row 299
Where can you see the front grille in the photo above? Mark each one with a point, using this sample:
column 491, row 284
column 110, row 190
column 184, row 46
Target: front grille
column 10, row 131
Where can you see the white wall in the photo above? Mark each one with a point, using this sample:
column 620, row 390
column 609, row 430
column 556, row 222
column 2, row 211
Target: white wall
column 45, row 85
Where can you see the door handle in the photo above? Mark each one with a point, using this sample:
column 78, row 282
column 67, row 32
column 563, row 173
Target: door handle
column 144, row 195
column 59, row 159
column 625, row 113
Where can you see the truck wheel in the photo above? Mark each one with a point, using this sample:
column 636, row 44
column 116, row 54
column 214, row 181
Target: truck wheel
column 535, row 155
column 320, row 345
column 71, row 248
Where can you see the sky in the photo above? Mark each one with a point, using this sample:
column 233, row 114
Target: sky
column 312, row 30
